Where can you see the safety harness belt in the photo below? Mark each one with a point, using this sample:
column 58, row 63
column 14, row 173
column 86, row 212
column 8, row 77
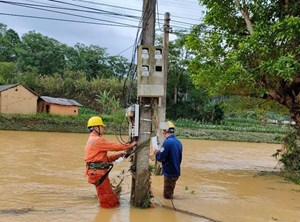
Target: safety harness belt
column 100, row 165
column 104, row 176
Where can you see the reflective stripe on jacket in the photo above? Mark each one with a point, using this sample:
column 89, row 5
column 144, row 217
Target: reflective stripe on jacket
column 96, row 149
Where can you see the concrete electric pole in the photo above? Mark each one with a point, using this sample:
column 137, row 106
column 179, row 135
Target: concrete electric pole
column 162, row 108
column 140, row 188
column 151, row 93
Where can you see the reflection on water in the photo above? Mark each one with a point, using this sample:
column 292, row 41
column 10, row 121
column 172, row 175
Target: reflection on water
column 42, row 179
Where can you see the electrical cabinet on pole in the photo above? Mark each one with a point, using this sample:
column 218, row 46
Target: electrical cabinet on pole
column 150, row 90
column 140, row 187
column 151, row 93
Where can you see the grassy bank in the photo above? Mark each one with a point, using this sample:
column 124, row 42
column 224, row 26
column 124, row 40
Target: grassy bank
column 226, row 135
column 232, row 129
column 229, row 130
column 53, row 123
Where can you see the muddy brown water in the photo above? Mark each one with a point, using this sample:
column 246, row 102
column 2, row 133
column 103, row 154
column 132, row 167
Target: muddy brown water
column 42, row 179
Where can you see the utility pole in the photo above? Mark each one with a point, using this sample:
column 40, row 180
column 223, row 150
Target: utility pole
column 148, row 29
column 163, row 104
column 167, row 30
column 140, row 187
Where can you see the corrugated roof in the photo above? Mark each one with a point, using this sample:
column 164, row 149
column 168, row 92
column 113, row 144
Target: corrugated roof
column 6, row 87
column 60, row 101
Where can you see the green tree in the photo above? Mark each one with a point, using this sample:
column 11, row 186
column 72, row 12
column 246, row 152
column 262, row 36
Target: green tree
column 184, row 98
column 289, row 156
column 178, row 76
column 52, row 85
column 42, row 53
column 118, row 66
column 9, row 41
column 250, row 48
column 7, row 73
column 88, row 59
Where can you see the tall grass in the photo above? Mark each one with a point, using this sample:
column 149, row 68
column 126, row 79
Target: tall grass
column 234, row 124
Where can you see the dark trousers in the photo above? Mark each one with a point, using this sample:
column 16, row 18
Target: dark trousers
column 169, row 186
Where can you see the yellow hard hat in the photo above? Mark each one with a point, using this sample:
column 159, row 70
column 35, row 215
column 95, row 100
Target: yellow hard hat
column 95, row 121
column 167, row 126
column 170, row 125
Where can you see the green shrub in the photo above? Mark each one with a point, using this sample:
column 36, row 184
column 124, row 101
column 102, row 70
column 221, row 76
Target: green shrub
column 289, row 156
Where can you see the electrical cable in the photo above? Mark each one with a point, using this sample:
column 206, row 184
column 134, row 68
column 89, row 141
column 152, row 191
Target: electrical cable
column 127, row 93
column 158, row 18
column 65, row 13
column 66, row 20
column 185, row 211
column 120, row 138
column 157, row 11
column 91, row 10
column 120, row 7
column 144, row 21
column 80, row 6
column 132, row 68
column 138, row 10
column 72, row 9
column 109, row 13
column 125, row 49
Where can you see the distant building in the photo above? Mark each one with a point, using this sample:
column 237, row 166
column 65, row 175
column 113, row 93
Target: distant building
column 16, row 98
column 58, row 106
column 287, row 120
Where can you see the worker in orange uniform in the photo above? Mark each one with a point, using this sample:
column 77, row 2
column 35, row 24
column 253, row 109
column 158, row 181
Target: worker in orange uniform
column 99, row 163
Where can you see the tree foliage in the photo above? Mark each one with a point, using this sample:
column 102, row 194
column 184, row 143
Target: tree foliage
column 9, row 40
column 44, row 54
column 249, row 48
column 184, row 98
column 89, row 59
column 94, row 78
column 289, row 154
column 54, row 69
column 7, row 72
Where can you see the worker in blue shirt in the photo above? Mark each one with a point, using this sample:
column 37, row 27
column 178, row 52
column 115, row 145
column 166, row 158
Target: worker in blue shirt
column 170, row 155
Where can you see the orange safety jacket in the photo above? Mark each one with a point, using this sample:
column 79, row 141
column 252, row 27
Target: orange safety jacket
column 97, row 147
column 96, row 151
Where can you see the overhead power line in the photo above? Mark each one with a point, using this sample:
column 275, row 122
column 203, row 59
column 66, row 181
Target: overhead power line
column 114, row 6
column 70, row 14
column 138, row 10
column 42, row 8
column 66, row 20
column 71, row 9
column 177, row 24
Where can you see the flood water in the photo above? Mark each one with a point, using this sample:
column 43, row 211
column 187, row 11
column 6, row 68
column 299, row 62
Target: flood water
column 42, row 179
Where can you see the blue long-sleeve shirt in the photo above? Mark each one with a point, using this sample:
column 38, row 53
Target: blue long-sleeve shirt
column 170, row 155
